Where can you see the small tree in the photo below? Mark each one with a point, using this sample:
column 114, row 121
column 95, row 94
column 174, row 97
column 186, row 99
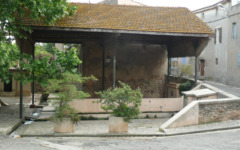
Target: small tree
column 122, row 101
column 11, row 15
column 184, row 70
column 67, row 92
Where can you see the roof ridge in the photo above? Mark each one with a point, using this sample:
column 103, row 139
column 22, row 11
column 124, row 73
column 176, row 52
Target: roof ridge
column 145, row 6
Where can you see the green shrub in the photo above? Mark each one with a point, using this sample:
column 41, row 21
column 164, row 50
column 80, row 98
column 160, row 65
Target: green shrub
column 67, row 92
column 186, row 86
column 122, row 101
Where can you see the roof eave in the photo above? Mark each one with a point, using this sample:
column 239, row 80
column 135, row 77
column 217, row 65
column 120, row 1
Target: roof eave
column 125, row 31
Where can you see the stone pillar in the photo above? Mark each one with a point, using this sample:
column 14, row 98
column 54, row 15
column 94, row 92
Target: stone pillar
column 196, row 61
column 196, row 69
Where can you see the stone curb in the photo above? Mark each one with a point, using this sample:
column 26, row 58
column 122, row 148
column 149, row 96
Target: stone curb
column 95, row 135
column 202, row 131
column 131, row 135
column 14, row 127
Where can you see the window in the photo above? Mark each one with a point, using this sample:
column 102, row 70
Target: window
column 8, row 86
column 202, row 16
column 235, row 2
column 216, row 12
column 218, row 35
column 234, row 27
column 216, row 61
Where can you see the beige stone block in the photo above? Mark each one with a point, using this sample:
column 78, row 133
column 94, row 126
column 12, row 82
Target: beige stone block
column 117, row 125
column 64, row 126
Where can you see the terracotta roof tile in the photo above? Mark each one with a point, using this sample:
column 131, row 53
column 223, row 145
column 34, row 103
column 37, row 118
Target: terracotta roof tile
column 131, row 18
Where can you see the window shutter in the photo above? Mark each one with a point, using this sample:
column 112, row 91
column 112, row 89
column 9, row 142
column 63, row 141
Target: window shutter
column 215, row 38
column 220, row 35
column 239, row 59
column 234, row 30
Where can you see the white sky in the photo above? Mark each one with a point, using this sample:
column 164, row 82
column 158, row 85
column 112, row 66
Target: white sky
column 191, row 4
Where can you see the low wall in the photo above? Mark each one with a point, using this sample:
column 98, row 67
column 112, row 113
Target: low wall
column 215, row 111
column 187, row 116
column 148, row 105
column 205, row 111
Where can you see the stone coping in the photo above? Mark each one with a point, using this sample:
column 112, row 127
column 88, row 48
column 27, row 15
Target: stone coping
column 200, row 93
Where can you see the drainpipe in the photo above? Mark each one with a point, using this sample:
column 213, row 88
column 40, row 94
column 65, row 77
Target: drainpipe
column 115, row 43
column 114, row 65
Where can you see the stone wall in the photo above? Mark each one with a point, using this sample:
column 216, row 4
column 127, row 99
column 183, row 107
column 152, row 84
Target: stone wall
column 205, row 111
column 147, row 105
column 139, row 65
column 219, row 112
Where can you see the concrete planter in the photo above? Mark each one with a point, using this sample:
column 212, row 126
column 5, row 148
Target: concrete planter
column 117, row 125
column 64, row 126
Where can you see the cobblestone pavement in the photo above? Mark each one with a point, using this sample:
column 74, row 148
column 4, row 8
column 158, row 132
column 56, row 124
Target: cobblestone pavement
column 220, row 140
column 232, row 90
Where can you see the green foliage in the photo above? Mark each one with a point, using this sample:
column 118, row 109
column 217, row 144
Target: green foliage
column 44, row 67
column 161, row 130
column 43, row 54
column 11, row 14
column 185, row 86
column 41, row 50
column 67, row 92
column 48, row 11
column 122, row 101
column 6, row 60
column 49, row 47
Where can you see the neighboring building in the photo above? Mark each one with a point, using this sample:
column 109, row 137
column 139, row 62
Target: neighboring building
column 12, row 88
column 121, row 2
column 220, row 60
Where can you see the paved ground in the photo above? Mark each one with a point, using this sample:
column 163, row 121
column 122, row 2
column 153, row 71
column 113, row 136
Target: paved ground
column 9, row 115
column 93, row 127
column 232, row 90
column 221, row 140
column 9, row 143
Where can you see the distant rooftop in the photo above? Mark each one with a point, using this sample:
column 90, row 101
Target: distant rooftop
column 121, row 2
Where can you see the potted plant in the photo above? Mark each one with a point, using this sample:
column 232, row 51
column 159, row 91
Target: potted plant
column 123, row 102
column 65, row 116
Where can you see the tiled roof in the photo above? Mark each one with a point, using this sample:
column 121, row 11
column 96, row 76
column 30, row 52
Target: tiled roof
column 131, row 18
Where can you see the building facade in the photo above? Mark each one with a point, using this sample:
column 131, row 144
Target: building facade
column 220, row 60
